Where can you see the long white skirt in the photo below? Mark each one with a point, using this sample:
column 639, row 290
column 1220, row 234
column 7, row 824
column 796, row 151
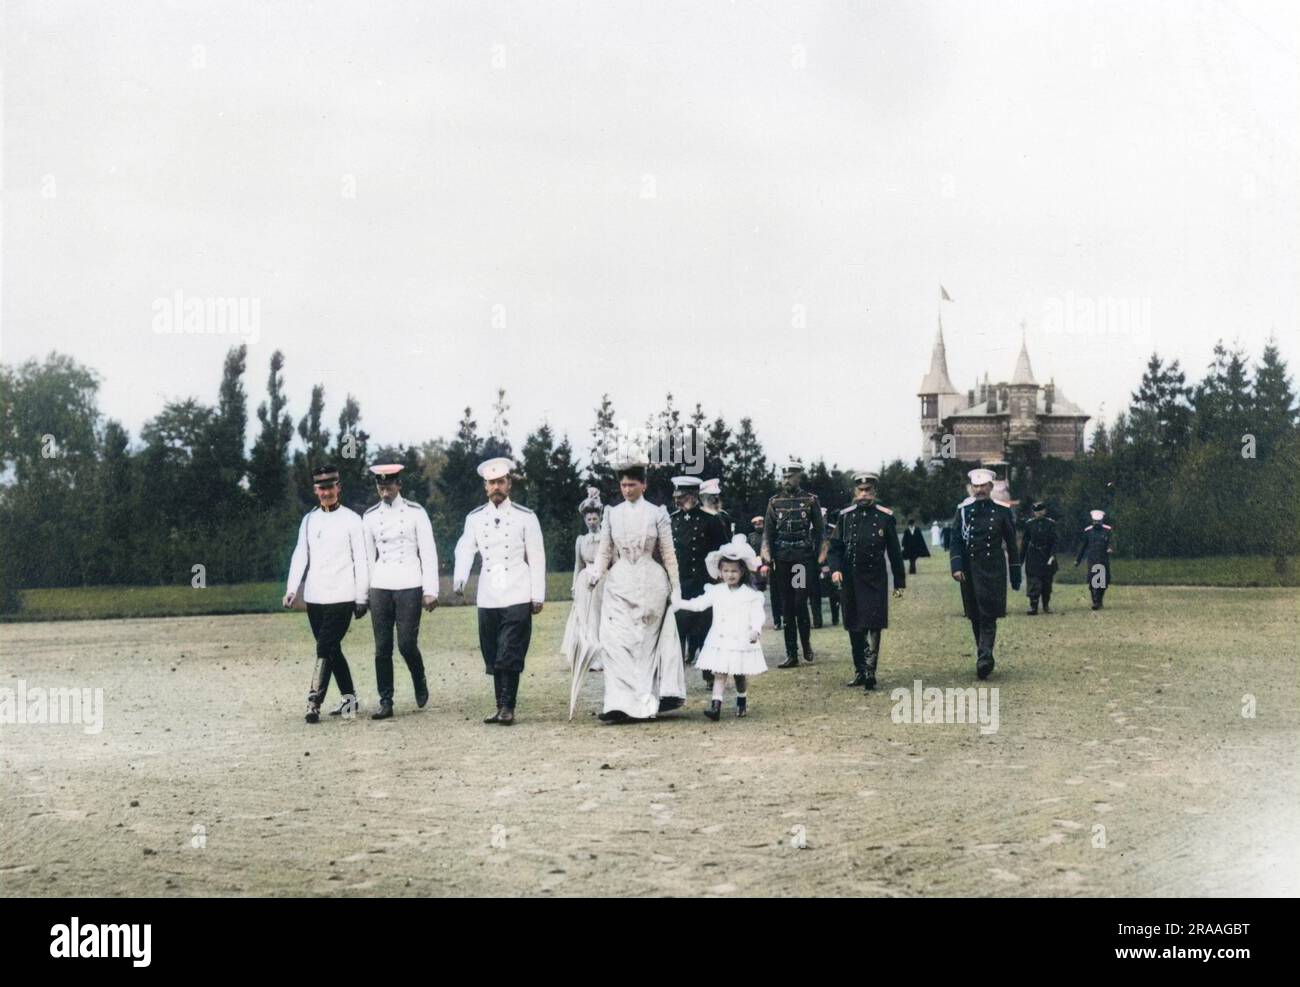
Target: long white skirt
column 641, row 650
column 582, row 630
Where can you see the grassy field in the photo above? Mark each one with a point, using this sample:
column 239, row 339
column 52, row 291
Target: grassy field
column 1147, row 749
column 103, row 602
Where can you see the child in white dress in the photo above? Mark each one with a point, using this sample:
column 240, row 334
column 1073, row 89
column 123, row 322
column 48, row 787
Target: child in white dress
column 732, row 648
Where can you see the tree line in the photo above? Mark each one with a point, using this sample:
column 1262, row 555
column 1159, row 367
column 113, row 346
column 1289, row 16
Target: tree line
column 1184, row 470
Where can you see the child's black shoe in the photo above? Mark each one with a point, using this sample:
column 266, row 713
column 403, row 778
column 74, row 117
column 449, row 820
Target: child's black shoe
column 714, row 712
column 742, row 706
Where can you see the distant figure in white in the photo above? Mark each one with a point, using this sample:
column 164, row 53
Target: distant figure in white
column 582, row 631
column 642, row 653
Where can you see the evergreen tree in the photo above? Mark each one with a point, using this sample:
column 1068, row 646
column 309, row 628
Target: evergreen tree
column 268, row 468
column 352, row 457
column 316, row 447
column 603, row 451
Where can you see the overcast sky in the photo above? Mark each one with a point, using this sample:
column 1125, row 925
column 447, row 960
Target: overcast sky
column 749, row 204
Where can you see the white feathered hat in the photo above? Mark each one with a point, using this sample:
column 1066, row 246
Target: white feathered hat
column 736, row 550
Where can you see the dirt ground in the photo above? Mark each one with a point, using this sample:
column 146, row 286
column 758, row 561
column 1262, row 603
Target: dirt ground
column 1123, row 764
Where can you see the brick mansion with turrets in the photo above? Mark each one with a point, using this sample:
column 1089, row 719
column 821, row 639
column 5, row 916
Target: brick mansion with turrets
column 992, row 424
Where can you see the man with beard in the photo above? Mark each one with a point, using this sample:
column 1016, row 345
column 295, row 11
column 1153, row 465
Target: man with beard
column 1038, row 555
column 983, row 549
column 711, row 503
column 865, row 535
column 792, row 547
column 696, row 533
column 511, row 583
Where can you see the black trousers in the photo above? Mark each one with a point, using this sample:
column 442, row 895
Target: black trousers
column 1039, row 586
column 329, row 623
column 693, row 628
column 400, row 607
column 1098, row 572
column 985, row 630
column 775, row 593
column 790, row 580
column 866, row 650
column 503, row 636
column 911, row 566
column 833, row 594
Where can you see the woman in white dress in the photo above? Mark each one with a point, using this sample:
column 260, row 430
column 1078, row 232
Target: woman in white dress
column 732, row 648
column 641, row 651
column 582, row 631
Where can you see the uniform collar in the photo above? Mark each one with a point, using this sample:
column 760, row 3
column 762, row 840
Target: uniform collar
column 503, row 509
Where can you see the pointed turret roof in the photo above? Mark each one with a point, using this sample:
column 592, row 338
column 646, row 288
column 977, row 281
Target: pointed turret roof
column 936, row 381
column 1023, row 374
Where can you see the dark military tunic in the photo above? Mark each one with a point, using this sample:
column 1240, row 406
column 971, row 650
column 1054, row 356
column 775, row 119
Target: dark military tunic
column 859, row 543
column 793, row 529
column 1039, row 547
column 983, row 546
column 696, row 533
column 1094, row 545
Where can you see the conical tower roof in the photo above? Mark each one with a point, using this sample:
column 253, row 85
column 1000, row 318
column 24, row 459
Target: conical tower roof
column 936, row 381
column 1023, row 374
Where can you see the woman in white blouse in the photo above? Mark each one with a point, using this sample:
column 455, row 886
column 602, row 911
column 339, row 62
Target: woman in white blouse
column 642, row 654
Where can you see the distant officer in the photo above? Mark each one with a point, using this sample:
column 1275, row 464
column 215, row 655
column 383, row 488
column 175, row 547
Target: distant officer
column 711, row 503
column 793, row 534
column 695, row 534
column 1038, row 555
column 403, row 578
column 1096, row 544
column 329, row 572
column 913, row 546
column 865, row 535
column 983, row 549
column 511, row 583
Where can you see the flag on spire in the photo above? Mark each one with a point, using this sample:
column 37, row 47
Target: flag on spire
column 943, row 294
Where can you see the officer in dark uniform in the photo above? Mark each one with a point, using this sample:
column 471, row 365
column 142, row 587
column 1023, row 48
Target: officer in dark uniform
column 1095, row 544
column 1038, row 555
column 864, row 536
column 711, row 503
column 695, row 534
column 793, row 533
column 983, row 549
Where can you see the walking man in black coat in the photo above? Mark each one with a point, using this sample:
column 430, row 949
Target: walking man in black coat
column 864, row 536
column 914, row 546
column 1095, row 544
column 982, row 552
column 696, row 533
column 1038, row 555
column 792, row 546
